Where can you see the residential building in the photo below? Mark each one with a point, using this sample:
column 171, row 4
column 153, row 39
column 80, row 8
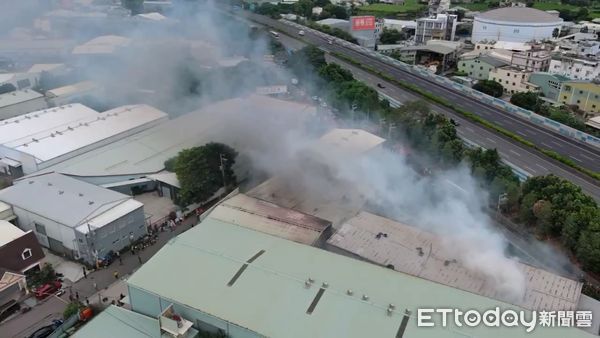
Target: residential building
column 549, row 84
column 20, row 102
column 438, row 7
column 35, row 146
column 575, row 67
column 534, row 60
column 71, row 217
column 585, row 95
column 400, row 25
column 594, row 122
column 20, row 250
column 581, row 48
column 515, row 24
column 479, row 67
column 13, row 288
column 514, row 80
column 440, row 27
column 248, row 284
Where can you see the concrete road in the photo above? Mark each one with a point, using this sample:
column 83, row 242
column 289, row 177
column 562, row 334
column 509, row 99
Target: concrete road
column 523, row 157
column 585, row 155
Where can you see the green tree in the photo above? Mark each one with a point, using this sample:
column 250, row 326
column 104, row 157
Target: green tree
column 71, row 309
column 391, row 36
column 588, row 248
column 332, row 72
column 304, row 8
column 135, row 6
column 489, row 87
column 45, row 275
column 338, row 12
column 199, row 173
column 529, row 101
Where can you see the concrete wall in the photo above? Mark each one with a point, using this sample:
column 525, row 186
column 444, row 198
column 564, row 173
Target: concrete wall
column 54, row 230
column 22, row 108
column 113, row 236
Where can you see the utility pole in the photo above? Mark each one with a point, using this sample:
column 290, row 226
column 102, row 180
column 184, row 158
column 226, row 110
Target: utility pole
column 392, row 126
column 354, row 107
column 223, row 159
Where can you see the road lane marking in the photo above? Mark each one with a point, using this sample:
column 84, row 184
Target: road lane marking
column 489, row 139
column 528, row 169
column 541, row 166
column 470, row 129
column 514, row 152
column 557, row 144
column 576, row 159
column 521, row 133
column 589, row 158
column 545, row 145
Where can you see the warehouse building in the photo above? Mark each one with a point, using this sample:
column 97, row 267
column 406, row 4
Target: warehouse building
column 71, row 93
column 423, row 254
column 37, row 145
column 137, row 156
column 20, row 102
column 272, row 219
column 249, row 284
column 75, row 218
column 515, row 24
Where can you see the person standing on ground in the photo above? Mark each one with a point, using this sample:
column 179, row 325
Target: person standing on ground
column 77, row 295
column 120, row 259
column 116, row 274
column 140, row 259
column 84, row 272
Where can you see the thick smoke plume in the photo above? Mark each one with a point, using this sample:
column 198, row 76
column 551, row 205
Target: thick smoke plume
column 175, row 67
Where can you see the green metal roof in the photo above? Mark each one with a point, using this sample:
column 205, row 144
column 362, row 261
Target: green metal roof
column 116, row 322
column 270, row 296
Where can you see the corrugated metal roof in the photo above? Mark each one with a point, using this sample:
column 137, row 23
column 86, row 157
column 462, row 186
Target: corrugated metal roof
column 147, row 151
column 270, row 218
column 270, row 295
column 544, row 290
column 18, row 96
column 32, row 123
column 106, row 44
column 77, row 88
column 52, row 143
column 520, row 15
column 117, row 322
column 9, row 232
column 63, row 199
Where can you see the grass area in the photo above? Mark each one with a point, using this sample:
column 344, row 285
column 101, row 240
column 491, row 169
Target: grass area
column 389, row 9
column 469, row 115
column 546, row 6
column 475, row 6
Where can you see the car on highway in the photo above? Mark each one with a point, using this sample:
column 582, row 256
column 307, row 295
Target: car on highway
column 301, row 33
column 380, row 85
column 330, row 42
column 47, row 289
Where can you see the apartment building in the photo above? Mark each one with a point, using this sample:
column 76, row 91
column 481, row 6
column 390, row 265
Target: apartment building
column 440, row 27
column 514, row 80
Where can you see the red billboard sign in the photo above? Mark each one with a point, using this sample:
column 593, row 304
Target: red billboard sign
column 362, row 23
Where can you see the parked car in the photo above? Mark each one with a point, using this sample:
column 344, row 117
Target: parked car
column 47, row 289
column 8, row 309
column 380, row 85
column 301, row 33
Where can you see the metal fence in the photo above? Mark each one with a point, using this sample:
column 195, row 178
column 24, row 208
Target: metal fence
column 534, row 118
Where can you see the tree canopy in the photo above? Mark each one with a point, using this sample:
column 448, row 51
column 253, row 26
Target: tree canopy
column 199, row 173
column 391, row 36
column 529, row 101
column 489, row 87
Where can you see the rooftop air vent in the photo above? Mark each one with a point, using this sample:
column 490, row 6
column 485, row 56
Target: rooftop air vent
column 349, row 292
column 60, row 192
column 30, row 182
column 90, row 202
column 50, row 184
column 80, row 195
column 365, row 297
